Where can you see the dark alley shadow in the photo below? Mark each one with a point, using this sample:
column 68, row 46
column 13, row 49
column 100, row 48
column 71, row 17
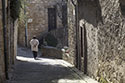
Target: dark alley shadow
column 90, row 11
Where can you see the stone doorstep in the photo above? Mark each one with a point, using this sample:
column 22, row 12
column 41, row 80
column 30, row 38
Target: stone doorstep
column 79, row 74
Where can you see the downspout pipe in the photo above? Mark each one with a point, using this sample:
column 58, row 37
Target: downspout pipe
column 26, row 37
column 4, row 36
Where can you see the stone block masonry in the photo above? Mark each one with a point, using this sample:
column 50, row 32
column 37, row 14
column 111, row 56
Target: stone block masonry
column 11, row 43
column 104, row 25
column 37, row 16
column 71, row 33
column 111, row 42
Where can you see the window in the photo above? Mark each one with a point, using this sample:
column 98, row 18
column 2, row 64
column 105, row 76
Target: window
column 51, row 19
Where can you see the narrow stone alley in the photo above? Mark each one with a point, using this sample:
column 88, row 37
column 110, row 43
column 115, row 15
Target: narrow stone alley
column 44, row 70
column 87, row 37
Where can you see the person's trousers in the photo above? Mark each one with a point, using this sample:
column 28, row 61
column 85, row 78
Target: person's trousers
column 34, row 54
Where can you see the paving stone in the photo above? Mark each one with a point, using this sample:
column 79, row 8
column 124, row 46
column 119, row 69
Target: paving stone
column 43, row 70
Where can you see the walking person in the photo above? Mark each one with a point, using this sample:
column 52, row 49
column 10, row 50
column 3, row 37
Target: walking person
column 34, row 46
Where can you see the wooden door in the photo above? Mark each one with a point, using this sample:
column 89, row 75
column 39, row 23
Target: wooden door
column 85, row 49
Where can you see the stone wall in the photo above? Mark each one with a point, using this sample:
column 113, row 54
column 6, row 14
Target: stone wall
column 111, row 42
column 59, row 34
column 88, row 20
column 37, row 15
column 11, row 43
column 2, row 73
column 104, row 25
column 71, row 33
column 13, row 40
column 21, row 34
column 51, row 52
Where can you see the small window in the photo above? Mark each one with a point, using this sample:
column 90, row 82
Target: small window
column 52, row 19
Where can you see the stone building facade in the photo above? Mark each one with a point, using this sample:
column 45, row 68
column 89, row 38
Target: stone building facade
column 98, row 45
column 8, row 41
column 42, row 15
column 71, row 31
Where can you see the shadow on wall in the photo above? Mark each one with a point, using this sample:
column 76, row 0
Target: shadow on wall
column 54, row 38
column 90, row 11
column 48, row 40
column 122, row 5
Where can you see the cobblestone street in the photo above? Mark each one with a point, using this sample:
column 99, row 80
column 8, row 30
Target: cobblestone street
column 44, row 70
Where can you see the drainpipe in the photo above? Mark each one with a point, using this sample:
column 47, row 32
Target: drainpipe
column 26, row 37
column 26, row 34
column 4, row 36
